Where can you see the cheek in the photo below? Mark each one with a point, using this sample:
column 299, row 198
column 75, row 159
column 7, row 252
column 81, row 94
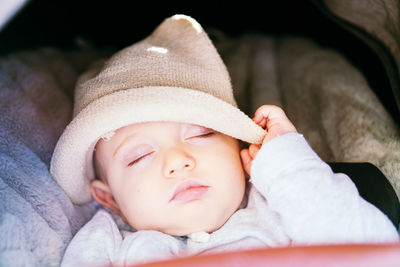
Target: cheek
column 234, row 168
column 126, row 194
column 226, row 161
column 126, row 189
column 230, row 156
column 141, row 200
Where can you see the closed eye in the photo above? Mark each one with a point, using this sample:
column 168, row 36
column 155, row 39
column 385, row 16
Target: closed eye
column 204, row 135
column 137, row 160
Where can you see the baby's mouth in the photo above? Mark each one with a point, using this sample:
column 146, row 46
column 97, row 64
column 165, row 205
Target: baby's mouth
column 188, row 191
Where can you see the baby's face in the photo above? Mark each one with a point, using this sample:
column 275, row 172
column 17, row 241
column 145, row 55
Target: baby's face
column 172, row 177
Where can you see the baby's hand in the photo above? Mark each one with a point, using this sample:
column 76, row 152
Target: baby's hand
column 274, row 120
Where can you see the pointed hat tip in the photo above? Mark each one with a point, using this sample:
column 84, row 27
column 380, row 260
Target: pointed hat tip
column 191, row 20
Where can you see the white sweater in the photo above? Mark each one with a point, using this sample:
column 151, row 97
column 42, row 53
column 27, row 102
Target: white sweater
column 294, row 199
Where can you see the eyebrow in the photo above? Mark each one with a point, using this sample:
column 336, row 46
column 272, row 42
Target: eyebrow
column 186, row 127
column 126, row 139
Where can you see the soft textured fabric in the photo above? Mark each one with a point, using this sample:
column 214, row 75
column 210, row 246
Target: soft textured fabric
column 379, row 18
column 175, row 74
column 295, row 199
column 376, row 22
column 37, row 219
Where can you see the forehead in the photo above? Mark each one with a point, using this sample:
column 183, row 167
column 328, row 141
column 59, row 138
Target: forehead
column 143, row 128
column 150, row 126
column 155, row 128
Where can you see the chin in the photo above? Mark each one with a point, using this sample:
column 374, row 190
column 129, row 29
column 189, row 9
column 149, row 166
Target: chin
column 196, row 219
column 207, row 227
column 183, row 230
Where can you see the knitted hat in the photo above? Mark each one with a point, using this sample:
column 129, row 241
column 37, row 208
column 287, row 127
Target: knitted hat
column 175, row 75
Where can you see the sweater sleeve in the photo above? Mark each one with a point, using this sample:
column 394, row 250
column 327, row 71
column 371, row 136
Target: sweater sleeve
column 316, row 205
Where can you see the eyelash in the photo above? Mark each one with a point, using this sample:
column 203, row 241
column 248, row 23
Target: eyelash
column 139, row 159
column 205, row 135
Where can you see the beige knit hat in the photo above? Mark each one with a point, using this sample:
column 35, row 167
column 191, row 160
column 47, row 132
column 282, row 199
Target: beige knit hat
column 175, row 74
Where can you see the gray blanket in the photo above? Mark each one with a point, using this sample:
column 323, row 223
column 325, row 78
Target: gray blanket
column 328, row 100
column 37, row 220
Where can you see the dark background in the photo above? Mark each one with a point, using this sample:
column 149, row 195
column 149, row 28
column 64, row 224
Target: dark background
column 119, row 23
column 116, row 24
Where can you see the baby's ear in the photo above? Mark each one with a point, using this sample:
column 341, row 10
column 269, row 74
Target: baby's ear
column 246, row 160
column 102, row 194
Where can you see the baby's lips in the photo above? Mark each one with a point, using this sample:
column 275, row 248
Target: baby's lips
column 186, row 185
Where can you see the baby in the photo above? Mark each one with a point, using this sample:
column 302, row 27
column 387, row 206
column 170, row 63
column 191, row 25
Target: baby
column 157, row 140
column 186, row 178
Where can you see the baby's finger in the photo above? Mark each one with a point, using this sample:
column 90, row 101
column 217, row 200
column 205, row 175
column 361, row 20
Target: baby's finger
column 258, row 117
column 269, row 112
column 263, row 123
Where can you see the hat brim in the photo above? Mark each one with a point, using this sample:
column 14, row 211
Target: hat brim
column 71, row 164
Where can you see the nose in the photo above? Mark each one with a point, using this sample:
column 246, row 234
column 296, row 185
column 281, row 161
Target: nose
column 177, row 162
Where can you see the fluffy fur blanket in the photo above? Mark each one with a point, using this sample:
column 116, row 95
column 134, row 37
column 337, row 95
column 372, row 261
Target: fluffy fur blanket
column 37, row 219
column 328, row 100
